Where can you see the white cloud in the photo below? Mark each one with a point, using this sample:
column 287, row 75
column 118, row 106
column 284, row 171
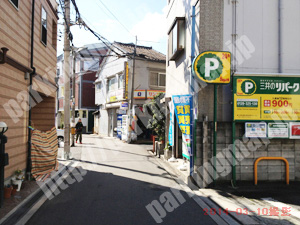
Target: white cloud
column 151, row 28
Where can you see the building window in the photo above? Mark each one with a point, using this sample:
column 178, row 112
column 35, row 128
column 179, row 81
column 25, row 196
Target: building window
column 98, row 87
column 120, row 82
column 62, row 92
column 76, row 114
column 176, row 38
column 112, row 84
column 44, row 27
column 58, row 72
column 54, row 34
column 157, row 79
column 15, row 3
column 83, row 114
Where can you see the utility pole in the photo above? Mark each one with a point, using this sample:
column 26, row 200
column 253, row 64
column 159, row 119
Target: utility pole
column 73, row 99
column 67, row 50
column 132, row 87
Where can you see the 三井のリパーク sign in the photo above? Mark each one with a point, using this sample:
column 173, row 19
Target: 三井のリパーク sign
column 266, row 98
column 213, row 67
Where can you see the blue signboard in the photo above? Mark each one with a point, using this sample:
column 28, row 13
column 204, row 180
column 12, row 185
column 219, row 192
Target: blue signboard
column 171, row 126
column 183, row 106
column 119, row 126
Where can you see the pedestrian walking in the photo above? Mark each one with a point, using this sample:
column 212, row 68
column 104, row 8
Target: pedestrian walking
column 79, row 127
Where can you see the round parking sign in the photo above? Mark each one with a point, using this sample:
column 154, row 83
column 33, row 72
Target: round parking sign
column 213, row 67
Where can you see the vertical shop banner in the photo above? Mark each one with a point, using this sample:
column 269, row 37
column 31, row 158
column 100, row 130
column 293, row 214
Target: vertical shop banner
column 183, row 105
column 171, row 126
column 119, row 126
column 126, row 80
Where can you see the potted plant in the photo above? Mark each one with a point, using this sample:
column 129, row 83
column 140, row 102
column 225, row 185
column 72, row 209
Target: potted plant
column 168, row 146
column 14, row 190
column 18, row 178
column 7, row 191
column 157, row 110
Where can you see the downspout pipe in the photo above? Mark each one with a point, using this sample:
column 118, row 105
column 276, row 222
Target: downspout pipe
column 192, row 88
column 234, row 68
column 279, row 36
column 28, row 168
column 3, row 59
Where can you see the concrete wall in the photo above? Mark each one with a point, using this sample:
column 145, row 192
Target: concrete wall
column 209, row 36
column 247, row 151
column 103, row 122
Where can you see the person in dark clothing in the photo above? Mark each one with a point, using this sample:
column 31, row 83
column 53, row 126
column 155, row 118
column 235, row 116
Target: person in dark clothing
column 79, row 127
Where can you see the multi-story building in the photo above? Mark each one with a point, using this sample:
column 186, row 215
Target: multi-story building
column 28, row 43
column 262, row 38
column 114, row 86
column 88, row 59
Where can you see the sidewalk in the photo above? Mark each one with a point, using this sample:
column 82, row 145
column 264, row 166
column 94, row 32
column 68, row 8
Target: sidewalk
column 22, row 201
column 19, row 204
column 266, row 203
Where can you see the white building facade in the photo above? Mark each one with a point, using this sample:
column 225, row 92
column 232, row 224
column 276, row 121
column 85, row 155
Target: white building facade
column 114, row 86
column 262, row 38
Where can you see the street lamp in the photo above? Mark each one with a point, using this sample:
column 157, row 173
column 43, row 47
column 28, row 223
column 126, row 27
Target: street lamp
column 3, row 128
column 3, row 159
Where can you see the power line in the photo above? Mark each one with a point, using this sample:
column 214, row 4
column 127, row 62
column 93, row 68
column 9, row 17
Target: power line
column 70, row 36
column 114, row 16
column 100, row 37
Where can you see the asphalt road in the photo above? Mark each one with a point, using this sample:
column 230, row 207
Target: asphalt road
column 120, row 181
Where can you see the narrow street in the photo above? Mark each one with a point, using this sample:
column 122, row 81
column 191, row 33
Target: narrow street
column 121, row 180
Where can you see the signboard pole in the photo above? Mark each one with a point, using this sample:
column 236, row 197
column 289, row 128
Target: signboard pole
column 233, row 140
column 233, row 155
column 215, row 130
column 194, row 96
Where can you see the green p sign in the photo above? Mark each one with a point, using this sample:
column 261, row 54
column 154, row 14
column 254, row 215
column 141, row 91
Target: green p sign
column 213, row 67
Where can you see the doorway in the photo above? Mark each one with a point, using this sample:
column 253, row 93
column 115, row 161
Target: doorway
column 111, row 123
column 178, row 139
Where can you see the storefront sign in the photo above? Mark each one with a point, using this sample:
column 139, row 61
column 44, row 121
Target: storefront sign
column 124, row 105
column 266, row 98
column 125, row 127
column 295, row 130
column 121, row 111
column 119, row 126
column 278, row 130
column 213, row 67
column 256, row 130
column 152, row 93
column 139, row 94
column 114, row 96
column 183, row 108
column 126, row 80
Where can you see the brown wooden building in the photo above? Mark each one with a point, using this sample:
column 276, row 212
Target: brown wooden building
column 28, row 29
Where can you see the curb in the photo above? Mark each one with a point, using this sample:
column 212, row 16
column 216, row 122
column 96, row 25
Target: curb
column 212, row 200
column 203, row 201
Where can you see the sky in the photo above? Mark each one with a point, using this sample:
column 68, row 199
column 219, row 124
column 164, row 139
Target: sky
column 145, row 19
